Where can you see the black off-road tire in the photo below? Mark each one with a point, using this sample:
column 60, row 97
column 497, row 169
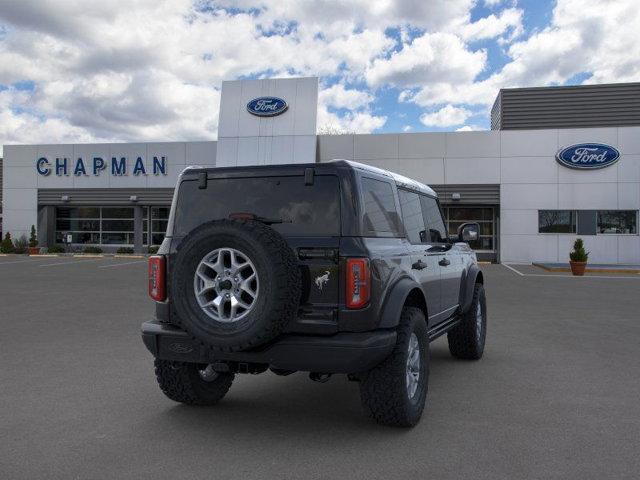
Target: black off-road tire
column 383, row 390
column 181, row 382
column 279, row 292
column 466, row 340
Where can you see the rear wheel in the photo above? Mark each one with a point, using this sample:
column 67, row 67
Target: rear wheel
column 192, row 383
column 466, row 340
column 394, row 392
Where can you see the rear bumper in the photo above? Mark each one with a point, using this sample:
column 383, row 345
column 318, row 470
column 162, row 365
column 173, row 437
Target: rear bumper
column 339, row 353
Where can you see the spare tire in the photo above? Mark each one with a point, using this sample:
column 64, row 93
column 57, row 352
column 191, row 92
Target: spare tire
column 234, row 284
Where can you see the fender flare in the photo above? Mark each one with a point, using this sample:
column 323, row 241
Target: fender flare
column 471, row 277
column 395, row 301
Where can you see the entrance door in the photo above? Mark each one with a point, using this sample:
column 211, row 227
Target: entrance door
column 486, row 246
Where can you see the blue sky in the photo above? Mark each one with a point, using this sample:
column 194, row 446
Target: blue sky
column 77, row 71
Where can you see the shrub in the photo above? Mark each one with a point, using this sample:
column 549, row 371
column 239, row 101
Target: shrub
column 92, row 250
column 33, row 238
column 21, row 244
column 55, row 249
column 579, row 254
column 153, row 249
column 7, row 244
column 124, row 250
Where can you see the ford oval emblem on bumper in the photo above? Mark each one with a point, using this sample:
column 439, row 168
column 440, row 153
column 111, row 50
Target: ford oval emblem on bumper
column 267, row 106
column 588, row 156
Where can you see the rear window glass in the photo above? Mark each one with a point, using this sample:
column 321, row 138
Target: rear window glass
column 304, row 210
column 380, row 214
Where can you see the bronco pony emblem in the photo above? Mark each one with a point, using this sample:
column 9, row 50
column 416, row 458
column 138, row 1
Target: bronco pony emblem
column 322, row 280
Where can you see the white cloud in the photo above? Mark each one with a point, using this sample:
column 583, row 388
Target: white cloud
column 509, row 20
column 469, row 128
column 583, row 37
column 338, row 96
column 492, row 3
column 351, row 122
column 151, row 69
column 447, row 116
column 432, row 57
column 407, row 128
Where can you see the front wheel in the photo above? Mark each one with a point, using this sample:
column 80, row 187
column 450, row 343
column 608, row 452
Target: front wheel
column 466, row 340
column 394, row 392
column 192, row 383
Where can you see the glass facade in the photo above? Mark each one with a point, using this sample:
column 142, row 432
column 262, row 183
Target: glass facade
column 556, row 221
column 588, row 222
column 484, row 216
column 110, row 225
column 618, row 221
column 158, row 226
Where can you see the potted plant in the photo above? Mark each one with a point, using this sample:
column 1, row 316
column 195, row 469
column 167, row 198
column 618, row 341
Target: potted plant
column 33, row 242
column 578, row 258
column 7, row 244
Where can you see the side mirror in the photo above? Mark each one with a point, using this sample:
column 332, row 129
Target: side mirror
column 468, row 232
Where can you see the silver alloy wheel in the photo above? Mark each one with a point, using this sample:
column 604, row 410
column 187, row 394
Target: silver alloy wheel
column 226, row 285
column 413, row 365
column 208, row 374
column 479, row 320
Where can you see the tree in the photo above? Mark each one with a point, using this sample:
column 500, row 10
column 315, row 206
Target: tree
column 7, row 244
column 33, row 239
column 332, row 129
column 579, row 254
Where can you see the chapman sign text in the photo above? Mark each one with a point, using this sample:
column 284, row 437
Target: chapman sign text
column 117, row 166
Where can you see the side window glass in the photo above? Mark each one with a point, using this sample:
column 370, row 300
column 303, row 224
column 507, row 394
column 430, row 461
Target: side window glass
column 412, row 216
column 380, row 214
column 433, row 219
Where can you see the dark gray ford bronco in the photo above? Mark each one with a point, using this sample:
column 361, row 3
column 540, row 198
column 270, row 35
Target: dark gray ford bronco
column 323, row 268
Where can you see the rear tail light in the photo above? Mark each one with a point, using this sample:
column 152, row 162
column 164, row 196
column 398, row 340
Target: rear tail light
column 358, row 282
column 157, row 278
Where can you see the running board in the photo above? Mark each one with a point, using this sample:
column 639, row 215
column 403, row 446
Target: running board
column 442, row 328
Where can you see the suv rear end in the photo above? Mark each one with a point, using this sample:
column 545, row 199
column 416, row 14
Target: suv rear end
column 311, row 268
column 313, row 208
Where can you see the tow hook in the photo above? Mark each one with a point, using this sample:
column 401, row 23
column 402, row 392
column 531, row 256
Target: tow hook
column 320, row 377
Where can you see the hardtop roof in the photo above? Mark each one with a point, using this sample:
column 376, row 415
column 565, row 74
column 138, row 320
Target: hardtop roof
column 400, row 180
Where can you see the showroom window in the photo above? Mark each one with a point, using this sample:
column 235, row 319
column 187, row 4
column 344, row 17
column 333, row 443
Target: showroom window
column 158, row 227
column 484, row 216
column 556, row 221
column 618, row 221
column 95, row 225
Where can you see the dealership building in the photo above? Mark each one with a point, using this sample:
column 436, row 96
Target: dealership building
column 559, row 162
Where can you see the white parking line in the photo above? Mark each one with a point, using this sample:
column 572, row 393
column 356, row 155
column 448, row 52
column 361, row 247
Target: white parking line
column 121, row 264
column 70, row 263
column 565, row 276
column 513, row 270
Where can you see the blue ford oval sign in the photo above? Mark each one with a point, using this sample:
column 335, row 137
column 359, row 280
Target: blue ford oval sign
column 588, row 156
column 267, row 106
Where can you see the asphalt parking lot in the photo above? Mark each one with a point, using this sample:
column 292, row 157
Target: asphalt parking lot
column 557, row 394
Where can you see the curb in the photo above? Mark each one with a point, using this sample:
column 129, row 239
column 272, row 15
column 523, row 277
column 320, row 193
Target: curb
column 589, row 270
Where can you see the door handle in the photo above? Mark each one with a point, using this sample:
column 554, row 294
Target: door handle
column 419, row 265
column 444, row 262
